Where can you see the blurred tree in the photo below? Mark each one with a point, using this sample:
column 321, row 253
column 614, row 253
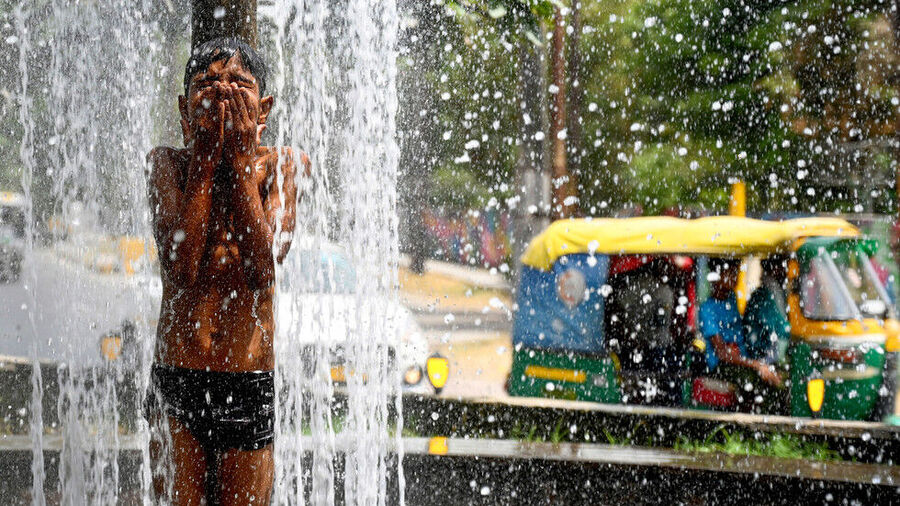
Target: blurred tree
column 728, row 87
column 563, row 203
column 844, row 105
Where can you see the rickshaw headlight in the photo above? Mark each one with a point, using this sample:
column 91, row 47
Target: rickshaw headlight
column 438, row 370
column 815, row 393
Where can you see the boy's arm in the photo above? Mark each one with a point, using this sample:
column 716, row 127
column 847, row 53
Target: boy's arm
column 251, row 226
column 180, row 218
column 285, row 213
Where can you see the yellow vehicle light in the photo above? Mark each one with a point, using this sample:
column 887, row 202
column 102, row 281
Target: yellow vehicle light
column 111, row 347
column 815, row 394
column 340, row 375
column 413, row 375
column 555, row 374
column 438, row 370
column 892, row 345
column 437, row 446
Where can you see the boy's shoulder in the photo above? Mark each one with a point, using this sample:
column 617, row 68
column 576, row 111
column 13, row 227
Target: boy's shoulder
column 286, row 153
column 285, row 156
column 166, row 156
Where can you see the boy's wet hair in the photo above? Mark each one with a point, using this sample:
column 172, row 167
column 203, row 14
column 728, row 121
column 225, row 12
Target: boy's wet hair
column 223, row 48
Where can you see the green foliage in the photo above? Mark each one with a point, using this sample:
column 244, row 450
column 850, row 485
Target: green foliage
column 786, row 446
column 668, row 179
column 559, row 433
column 684, row 96
column 528, row 436
column 457, row 189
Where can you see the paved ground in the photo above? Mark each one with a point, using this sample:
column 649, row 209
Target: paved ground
column 466, row 316
column 479, row 362
column 67, row 306
column 451, row 297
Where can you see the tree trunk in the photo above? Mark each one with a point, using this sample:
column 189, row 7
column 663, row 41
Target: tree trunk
column 562, row 183
column 528, row 215
column 223, row 18
column 895, row 24
column 419, row 134
column 574, row 135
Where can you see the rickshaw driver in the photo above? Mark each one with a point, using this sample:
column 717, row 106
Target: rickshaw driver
column 766, row 324
column 722, row 327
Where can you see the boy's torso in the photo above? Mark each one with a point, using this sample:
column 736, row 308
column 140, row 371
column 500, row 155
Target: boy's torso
column 218, row 322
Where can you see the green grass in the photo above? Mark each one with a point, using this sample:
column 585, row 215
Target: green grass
column 338, row 422
column 786, row 446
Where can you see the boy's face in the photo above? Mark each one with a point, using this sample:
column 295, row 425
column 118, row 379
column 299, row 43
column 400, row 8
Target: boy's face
column 199, row 110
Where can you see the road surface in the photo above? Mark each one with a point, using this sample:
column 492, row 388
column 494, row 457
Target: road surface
column 62, row 307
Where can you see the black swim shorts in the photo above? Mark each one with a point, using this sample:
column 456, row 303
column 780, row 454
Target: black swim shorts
column 222, row 410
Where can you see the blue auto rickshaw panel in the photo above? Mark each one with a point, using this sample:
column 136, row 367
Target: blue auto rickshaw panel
column 544, row 321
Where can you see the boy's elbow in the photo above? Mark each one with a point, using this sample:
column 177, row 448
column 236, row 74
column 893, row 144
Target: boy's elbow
column 261, row 280
column 184, row 275
column 260, row 277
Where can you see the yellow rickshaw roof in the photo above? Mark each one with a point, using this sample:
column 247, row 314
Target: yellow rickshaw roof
column 715, row 235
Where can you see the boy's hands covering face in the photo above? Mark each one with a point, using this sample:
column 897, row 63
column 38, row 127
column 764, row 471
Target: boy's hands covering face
column 241, row 128
column 224, row 116
column 207, row 127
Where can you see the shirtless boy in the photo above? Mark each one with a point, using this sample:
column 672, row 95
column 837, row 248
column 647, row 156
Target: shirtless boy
column 215, row 205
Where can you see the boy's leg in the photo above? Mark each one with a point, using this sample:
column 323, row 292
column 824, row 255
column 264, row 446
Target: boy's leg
column 188, row 461
column 246, row 477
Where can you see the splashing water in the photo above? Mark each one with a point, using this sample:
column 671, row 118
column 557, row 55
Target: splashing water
column 84, row 171
column 26, row 153
column 339, row 103
column 90, row 61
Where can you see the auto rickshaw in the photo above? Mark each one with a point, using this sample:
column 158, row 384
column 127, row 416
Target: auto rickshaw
column 581, row 279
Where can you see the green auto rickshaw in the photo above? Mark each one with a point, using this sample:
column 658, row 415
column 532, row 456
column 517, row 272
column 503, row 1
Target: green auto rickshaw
column 607, row 312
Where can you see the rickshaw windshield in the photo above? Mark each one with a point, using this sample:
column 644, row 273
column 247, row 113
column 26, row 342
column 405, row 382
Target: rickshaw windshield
column 842, row 285
column 862, row 282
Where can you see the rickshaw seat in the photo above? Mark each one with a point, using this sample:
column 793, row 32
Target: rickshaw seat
column 713, row 392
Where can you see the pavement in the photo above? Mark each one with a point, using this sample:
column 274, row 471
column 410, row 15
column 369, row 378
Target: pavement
column 482, row 278
column 466, row 316
column 451, row 297
column 480, row 362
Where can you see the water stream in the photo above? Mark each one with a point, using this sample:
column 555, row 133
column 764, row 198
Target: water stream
column 92, row 78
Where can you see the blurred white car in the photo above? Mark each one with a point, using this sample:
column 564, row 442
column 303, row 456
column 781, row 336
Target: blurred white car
column 318, row 305
column 12, row 235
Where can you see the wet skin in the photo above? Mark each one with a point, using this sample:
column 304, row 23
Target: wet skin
column 215, row 205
